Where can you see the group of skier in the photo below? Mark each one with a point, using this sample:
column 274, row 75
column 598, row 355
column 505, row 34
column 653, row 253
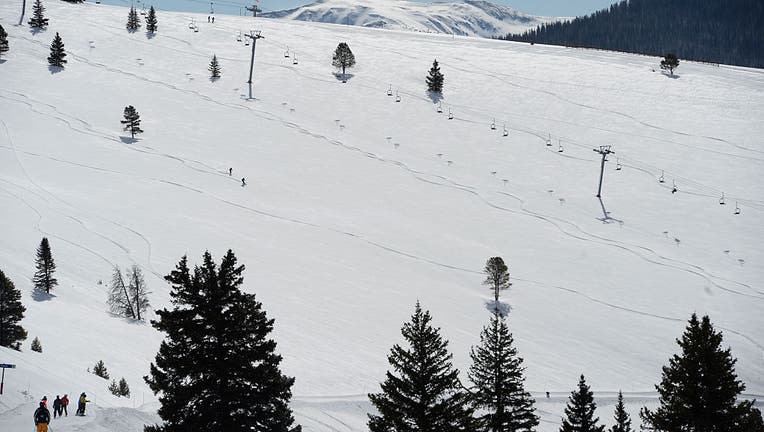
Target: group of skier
column 42, row 414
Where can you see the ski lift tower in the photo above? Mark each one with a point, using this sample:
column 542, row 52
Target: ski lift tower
column 254, row 9
column 604, row 151
column 254, row 35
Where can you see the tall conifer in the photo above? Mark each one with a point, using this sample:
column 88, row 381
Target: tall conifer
column 622, row 419
column 217, row 370
column 151, row 20
column 423, row 392
column 699, row 388
column 133, row 22
column 132, row 121
column 43, row 277
column 435, row 78
column 497, row 374
column 57, row 54
column 3, row 41
column 580, row 411
column 11, row 313
column 38, row 19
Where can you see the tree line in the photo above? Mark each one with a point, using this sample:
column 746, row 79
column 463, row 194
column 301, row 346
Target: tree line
column 726, row 32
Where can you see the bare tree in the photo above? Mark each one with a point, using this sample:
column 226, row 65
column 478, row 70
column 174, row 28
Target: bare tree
column 138, row 291
column 119, row 297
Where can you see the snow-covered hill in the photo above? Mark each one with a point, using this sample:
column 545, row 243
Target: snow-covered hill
column 472, row 17
column 357, row 206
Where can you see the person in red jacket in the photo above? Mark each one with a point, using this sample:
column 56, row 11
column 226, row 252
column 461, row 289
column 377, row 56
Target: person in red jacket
column 64, row 403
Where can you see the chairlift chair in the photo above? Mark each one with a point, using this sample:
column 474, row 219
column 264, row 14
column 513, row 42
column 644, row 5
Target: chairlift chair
column 397, row 96
column 440, row 107
column 661, row 179
column 450, row 114
column 390, row 90
column 737, row 208
column 506, row 132
column 286, row 53
column 294, row 59
column 560, row 149
column 493, row 124
column 549, row 141
column 674, row 189
column 721, row 200
column 238, row 37
column 617, row 164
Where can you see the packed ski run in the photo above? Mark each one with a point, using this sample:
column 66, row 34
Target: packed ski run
column 351, row 196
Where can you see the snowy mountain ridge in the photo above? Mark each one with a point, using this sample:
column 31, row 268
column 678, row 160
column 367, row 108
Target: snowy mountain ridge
column 469, row 18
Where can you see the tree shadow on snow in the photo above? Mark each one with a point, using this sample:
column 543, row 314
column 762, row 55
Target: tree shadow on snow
column 127, row 139
column 150, row 35
column 41, row 296
column 214, row 79
column 2, row 60
column 343, row 77
column 35, row 30
column 435, row 97
column 55, row 69
column 674, row 76
column 502, row 308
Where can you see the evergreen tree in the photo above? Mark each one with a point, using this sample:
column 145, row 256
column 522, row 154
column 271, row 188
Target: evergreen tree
column 699, row 388
column 669, row 63
column 214, row 68
column 36, row 345
column 343, row 58
column 497, row 374
column 580, row 411
column 132, row 121
column 151, row 20
column 99, row 369
column 38, row 19
column 133, row 22
column 423, row 394
column 124, row 389
column 622, row 419
column 435, row 78
column 3, row 41
column 57, row 53
column 497, row 276
column 11, row 313
column 217, row 370
column 43, row 277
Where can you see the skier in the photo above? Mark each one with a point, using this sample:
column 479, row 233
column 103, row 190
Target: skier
column 64, row 404
column 208, row 18
column 673, row 191
column 57, row 407
column 547, row 395
column 243, row 182
column 230, row 171
column 213, row 20
column 44, row 401
column 81, row 404
column 42, row 418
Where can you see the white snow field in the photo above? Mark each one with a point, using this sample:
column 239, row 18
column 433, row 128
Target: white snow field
column 357, row 205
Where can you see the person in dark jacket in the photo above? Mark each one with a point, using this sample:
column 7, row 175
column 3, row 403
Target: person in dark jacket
column 42, row 418
column 57, row 407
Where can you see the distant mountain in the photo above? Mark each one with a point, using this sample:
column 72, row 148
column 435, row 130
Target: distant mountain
column 472, row 17
column 728, row 32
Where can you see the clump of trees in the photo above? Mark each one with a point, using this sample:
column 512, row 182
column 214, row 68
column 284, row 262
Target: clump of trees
column 435, row 78
column 212, row 323
column 57, row 55
column 11, row 313
column 43, row 278
column 99, row 369
column 343, row 57
column 128, row 294
column 120, row 389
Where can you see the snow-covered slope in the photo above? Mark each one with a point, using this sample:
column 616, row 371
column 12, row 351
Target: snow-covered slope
column 357, row 206
column 472, row 17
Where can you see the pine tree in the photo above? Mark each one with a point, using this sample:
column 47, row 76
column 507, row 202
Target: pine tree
column 151, row 20
column 622, row 419
column 435, row 78
column 132, row 121
column 36, row 345
column 497, row 276
column 124, row 389
column 580, row 411
column 669, row 63
column 343, row 58
column 114, row 388
column 214, row 68
column 497, row 374
column 99, row 369
column 423, row 393
column 133, row 22
column 699, row 388
column 3, row 41
column 43, row 277
column 38, row 19
column 11, row 313
column 57, row 53
column 217, row 370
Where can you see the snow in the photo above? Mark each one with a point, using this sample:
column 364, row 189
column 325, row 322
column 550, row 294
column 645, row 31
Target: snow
column 472, row 17
column 342, row 231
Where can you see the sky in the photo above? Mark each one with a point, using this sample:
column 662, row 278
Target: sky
column 533, row 7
